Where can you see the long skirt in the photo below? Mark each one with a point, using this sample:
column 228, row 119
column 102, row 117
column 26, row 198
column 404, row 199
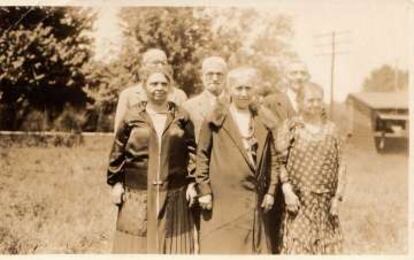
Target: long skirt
column 312, row 230
column 235, row 225
column 137, row 231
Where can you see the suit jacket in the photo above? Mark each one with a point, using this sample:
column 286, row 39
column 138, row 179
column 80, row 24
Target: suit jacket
column 279, row 104
column 198, row 108
column 225, row 170
column 132, row 96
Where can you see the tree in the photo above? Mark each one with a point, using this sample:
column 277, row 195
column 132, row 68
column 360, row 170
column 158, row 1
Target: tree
column 184, row 37
column 254, row 37
column 386, row 78
column 43, row 51
column 188, row 35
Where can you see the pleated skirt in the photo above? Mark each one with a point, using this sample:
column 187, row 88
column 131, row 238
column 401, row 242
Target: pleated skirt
column 173, row 232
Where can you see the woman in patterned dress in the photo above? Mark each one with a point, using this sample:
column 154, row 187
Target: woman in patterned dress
column 312, row 173
column 150, row 170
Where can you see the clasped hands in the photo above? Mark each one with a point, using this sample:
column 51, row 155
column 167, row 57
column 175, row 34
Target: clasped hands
column 205, row 201
column 118, row 194
column 292, row 201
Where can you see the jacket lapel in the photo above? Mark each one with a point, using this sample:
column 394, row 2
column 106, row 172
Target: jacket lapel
column 172, row 113
column 261, row 134
column 281, row 111
column 231, row 129
column 204, row 105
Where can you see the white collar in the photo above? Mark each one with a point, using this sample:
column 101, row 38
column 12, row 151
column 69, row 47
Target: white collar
column 293, row 98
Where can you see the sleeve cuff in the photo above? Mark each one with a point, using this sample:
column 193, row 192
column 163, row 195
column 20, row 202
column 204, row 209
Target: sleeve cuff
column 272, row 189
column 204, row 189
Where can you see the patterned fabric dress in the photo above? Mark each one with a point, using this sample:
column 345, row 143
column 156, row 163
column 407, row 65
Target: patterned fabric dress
column 312, row 161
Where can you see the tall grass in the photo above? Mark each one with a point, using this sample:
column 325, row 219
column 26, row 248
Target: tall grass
column 55, row 200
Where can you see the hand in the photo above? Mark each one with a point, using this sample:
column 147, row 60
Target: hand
column 291, row 200
column 191, row 194
column 206, row 202
column 118, row 193
column 333, row 210
column 268, row 202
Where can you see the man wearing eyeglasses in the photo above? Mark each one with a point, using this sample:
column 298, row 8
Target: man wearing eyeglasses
column 135, row 94
column 213, row 75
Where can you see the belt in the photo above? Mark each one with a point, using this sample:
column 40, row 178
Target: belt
column 157, row 182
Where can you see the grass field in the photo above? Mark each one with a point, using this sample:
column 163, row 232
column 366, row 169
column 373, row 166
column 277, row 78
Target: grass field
column 55, row 200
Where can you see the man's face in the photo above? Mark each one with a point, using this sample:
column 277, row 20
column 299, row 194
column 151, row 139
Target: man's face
column 242, row 92
column 214, row 74
column 297, row 75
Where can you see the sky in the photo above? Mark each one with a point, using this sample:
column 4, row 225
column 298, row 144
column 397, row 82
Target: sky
column 370, row 33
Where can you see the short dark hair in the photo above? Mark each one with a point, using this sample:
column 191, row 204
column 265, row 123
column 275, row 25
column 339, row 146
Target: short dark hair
column 146, row 71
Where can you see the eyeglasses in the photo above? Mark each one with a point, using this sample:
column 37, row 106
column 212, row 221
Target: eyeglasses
column 211, row 75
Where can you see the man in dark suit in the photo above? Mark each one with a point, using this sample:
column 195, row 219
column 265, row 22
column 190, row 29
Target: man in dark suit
column 283, row 105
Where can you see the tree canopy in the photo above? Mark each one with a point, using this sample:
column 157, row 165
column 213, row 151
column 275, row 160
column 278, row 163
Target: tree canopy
column 46, row 55
column 386, row 78
column 42, row 54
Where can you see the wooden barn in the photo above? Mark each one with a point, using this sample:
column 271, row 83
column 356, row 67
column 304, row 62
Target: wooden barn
column 378, row 119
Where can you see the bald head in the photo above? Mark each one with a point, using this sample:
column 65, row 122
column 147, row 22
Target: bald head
column 155, row 57
column 214, row 70
column 214, row 61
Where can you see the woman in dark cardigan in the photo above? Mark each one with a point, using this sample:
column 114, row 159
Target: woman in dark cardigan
column 237, row 171
column 150, row 171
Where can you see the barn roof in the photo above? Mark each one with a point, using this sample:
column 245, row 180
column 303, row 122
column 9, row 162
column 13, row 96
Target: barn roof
column 382, row 100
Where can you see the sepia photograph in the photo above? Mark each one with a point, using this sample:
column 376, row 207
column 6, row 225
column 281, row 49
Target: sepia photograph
column 140, row 127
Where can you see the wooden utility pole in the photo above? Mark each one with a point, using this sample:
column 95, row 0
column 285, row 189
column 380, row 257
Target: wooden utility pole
column 331, row 104
column 333, row 52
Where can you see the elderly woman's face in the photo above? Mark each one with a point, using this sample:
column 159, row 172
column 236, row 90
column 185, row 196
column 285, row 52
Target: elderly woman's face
column 312, row 103
column 242, row 92
column 157, row 88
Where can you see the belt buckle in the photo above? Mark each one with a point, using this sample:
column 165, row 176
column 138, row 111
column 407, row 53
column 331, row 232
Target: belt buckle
column 157, row 182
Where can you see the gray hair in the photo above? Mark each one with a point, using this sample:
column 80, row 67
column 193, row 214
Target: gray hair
column 244, row 73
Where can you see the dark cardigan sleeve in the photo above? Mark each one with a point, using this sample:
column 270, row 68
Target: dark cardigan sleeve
column 203, row 159
column 191, row 148
column 115, row 171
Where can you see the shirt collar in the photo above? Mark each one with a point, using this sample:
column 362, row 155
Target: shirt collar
column 292, row 97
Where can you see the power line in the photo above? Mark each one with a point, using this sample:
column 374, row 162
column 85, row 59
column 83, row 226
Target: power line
column 327, row 44
column 333, row 52
column 330, row 53
column 20, row 19
column 329, row 34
